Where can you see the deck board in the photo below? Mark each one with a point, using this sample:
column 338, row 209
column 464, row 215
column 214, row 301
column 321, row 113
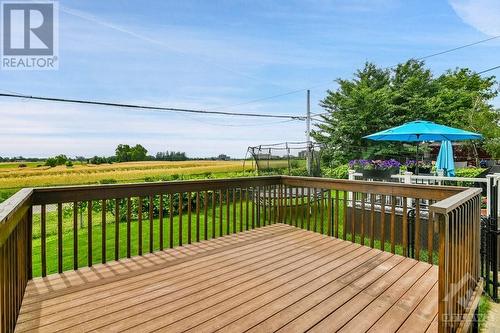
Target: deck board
column 273, row 278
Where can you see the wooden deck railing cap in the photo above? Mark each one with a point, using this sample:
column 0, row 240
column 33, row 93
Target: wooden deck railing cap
column 11, row 210
column 447, row 205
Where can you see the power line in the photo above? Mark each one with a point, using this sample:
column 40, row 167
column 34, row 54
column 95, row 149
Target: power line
column 152, row 108
column 388, row 67
column 489, row 69
column 458, row 48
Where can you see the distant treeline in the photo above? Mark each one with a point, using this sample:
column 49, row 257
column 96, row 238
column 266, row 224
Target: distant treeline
column 123, row 153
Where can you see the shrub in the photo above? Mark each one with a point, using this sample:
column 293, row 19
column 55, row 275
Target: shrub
column 69, row 164
column 340, row 172
column 51, row 162
column 469, row 172
column 108, row 181
column 22, row 165
column 298, row 172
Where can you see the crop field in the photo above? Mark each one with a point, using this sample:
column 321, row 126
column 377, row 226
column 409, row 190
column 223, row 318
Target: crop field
column 33, row 174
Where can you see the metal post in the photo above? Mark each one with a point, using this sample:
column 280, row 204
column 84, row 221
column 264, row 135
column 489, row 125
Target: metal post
column 308, row 134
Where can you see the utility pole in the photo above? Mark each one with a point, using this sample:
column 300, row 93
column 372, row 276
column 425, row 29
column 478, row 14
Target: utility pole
column 308, row 135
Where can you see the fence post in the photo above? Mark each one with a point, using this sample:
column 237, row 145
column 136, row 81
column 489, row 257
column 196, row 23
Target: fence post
column 489, row 184
column 351, row 176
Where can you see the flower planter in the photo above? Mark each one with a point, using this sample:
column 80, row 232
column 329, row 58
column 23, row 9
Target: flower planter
column 379, row 174
column 421, row 170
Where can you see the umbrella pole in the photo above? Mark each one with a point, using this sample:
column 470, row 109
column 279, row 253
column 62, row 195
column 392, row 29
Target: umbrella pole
column 416, row 161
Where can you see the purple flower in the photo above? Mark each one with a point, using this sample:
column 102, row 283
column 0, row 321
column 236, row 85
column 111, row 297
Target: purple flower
column 374, row 164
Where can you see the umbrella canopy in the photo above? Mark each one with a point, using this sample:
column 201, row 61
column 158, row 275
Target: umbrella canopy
column 421, row 130
column 445, row 159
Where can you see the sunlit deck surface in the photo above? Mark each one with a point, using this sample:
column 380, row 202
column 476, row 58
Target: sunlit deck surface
column 274, row 278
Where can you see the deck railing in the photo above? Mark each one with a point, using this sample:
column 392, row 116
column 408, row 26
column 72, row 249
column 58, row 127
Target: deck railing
column 49, row 230
column 460, row 285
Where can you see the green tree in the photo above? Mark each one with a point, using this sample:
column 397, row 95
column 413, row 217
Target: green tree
column 138, row 153
column 125, row 153
column 377, row 99
column 122, row 153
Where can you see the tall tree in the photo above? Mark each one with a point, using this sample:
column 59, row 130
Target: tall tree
column 377, row 99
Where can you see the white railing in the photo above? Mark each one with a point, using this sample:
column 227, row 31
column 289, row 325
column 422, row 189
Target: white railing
column 409, row 178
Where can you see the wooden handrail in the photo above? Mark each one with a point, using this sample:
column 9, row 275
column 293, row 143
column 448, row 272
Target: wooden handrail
column 385, row 188
column 49, row 195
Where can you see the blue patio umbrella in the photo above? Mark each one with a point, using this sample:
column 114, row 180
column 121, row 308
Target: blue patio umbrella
column 445, row 159
column 421, row 130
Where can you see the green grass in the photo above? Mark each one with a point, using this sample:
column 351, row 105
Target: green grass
column 484, row 308
column 9, row 165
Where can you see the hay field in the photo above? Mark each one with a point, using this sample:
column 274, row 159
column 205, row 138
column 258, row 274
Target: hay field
column 12, row 177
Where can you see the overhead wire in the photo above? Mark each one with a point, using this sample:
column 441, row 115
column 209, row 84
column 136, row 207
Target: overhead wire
column 152, row 108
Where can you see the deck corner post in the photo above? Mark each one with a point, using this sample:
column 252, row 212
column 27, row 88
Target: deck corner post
column 442, row 221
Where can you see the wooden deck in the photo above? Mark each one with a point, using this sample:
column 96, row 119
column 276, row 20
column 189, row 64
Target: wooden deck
column 275, row 278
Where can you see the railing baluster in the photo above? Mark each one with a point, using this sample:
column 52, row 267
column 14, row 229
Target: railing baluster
column 228, row 213
column 336, row 213
column 103, row 231
column 75, row 235
column 290, row 196
column 221, row 218
column 213, row 214
column 234, row 210
column 180, row 218
column 151, row 224
column 321, row 211
column 129, row 221
column 241, row 208
column 363, row 213
column 430, row 236
column 315, row 208
column 139, row 226
column 247, row 208
column 59, row 238
column 417, row 229
column 160, row 223
column 264, row 206
column 382, row 222
column 308, row 211
column 344, row 222
column 198, row 216
column 302, row 208
column 353, row 217
column 171, row 220
column 43, row 240
column 89, row 234
column 205, row 212
column 372, row 220
column 189, row 218
column 284, row 201
column 254, row 199
column 393, row 221
column 117, row 229
column 405, row 227
column 296, row 206
column 329, row 231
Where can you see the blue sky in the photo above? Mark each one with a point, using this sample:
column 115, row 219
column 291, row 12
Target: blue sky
column 217, row 55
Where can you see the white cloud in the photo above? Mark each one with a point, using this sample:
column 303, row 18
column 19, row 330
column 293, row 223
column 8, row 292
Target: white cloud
column 482, row 15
